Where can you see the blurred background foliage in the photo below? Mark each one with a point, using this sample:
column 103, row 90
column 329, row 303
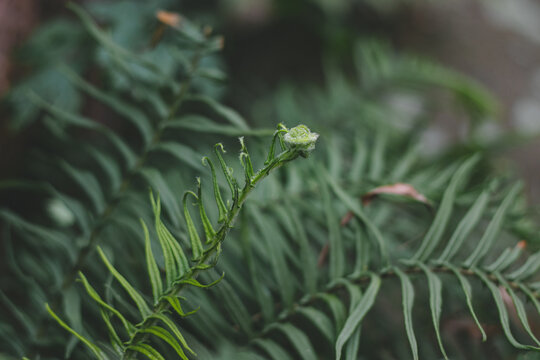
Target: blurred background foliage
column 374, row 77
column 272, row 43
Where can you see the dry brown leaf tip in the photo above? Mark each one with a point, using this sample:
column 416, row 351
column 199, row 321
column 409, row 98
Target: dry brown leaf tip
column 401, row 189
column 169, row 18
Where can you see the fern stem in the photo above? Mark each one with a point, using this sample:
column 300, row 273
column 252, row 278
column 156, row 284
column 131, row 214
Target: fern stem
column 163, row 305
column 286, row 314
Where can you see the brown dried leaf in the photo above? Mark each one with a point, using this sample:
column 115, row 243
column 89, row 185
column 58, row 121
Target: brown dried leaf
column 169, row 18
column 401, row 189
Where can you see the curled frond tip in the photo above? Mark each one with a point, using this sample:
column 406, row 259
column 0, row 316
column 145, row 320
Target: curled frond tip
column 301, row 138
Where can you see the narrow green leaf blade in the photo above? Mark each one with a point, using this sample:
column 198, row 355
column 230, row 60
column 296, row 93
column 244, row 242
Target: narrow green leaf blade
column 180, row 259
column 129, row 112
column 153, row 271
column 298, row 339
column 147, row 351
column 465, row 227
column 337, row 249
column 227, row 113
column 176, row 263
column 276, row 256
column 520, row 308
column 377, row 161
column 467, row 290
column 529, row 268
column 358, row 164
column 507, row 257
column 207, row 224
column 235, row 307
column 158, row 183
column 435, row 302
column 353, row 206
column 127, row 153
column 181, row 152
column 174, row 329
column 168, row 338
column 110, row 167
column 135, row 296
column 95, row 296
column 196, row 283
column 196, row 244
column 171, row 272
column 435, row 233
column 407, row 290
column 336, row 307
column 494, row 227
column 358, row 314
column 198, row 123
column 113, row 335
column 217, row 192
column 275, row 351
column 88, row 184
column 24, row 319
column 531, row 296
column 320, row 320
column 96, row 350
column 245, row 160
column 174, row 301
column 227, row 171
column 307, row 256
column 503, row 313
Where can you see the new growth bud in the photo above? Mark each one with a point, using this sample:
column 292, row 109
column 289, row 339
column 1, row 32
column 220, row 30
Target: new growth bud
column 300, row 138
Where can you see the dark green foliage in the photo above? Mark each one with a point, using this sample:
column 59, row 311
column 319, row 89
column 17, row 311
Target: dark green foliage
column 303, row 269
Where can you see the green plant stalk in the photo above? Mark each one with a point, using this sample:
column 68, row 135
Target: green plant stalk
column 163, row 305
column 362, row 279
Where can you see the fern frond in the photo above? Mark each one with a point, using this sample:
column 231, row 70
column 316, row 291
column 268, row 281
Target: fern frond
column 103, row 204
column 179, row 272
column 345, row 303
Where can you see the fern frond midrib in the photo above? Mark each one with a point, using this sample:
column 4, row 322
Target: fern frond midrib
column 336, row 285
